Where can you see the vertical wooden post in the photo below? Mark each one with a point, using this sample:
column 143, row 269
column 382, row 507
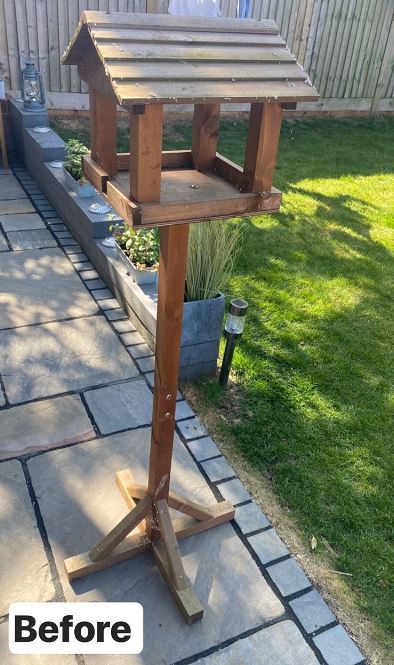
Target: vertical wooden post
column 103, row 130
column 172, row 273
column 146, row 135
column 262, row 146
column 205, row 136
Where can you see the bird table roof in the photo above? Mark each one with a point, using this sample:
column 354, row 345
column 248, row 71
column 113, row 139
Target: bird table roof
column 171, row 59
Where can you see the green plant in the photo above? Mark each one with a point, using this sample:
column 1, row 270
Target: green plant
column 73, row 162
column 141, row 247
column 213, row 251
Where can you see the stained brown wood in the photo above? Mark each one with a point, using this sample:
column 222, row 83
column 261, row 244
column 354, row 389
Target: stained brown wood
column 124, row 481
column 107, row 544
column 103, row 131
column 170, row 159
column 173, row 255
column 3, row 145
column 262, row 146
column 230, row 171
column 205, row 135
column 191, row 508
column 146, row 131
column 170, row 544
column 95, row 174
column 177, row 53
column 127, row 209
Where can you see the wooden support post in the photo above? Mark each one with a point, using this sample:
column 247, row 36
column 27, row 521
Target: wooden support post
column 146, row 132
column 172, row 272
column 103, row 131
column 205, row 136
column 262, row 146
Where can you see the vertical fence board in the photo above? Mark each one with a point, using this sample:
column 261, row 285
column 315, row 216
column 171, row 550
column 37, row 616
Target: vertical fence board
column 13, row 46
column 4, row 51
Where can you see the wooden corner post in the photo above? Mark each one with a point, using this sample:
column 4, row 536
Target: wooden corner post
column 103, row 131
column 205, row 136
column 262, row 146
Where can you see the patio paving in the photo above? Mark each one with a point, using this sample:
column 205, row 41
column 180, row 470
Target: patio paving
column 74, row 409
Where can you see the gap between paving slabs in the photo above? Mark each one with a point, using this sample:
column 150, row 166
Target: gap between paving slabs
column 193, row 433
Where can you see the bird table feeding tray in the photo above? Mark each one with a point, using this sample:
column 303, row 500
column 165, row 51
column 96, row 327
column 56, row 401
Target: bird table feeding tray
column 142, row 62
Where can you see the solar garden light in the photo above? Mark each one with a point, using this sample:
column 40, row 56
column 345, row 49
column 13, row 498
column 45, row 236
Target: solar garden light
column 233, row 328
column 32, row 88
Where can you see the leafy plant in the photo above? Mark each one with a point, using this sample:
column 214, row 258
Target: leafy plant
column 213, row 251
column 141, row 247
column 75, row 150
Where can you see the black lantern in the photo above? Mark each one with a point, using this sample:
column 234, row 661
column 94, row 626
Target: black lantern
column 233, row 329
column 32, row 89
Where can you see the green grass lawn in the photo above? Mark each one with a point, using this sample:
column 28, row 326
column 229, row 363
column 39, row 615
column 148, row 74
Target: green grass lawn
column 315, row 367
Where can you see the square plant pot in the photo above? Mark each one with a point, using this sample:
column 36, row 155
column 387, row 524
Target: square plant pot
column 145, row 276
column 85, row 191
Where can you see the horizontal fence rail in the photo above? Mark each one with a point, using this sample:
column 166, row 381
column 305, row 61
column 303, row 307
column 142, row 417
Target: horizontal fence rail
column 347, row 47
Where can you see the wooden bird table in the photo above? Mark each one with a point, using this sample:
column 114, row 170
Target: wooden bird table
column 126, row 59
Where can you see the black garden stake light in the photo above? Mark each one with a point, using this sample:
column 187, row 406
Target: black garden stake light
column 233, row 328
column 32, row 88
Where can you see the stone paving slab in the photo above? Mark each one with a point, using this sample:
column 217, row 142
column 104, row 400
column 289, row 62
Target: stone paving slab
column 192, row 428
column 39, row 286
column 3, row 243
column 250, row 518
column 111, row 314
column 24, row 570
column 21, row 222
column 87, row 503
column 268, row 546
column 288, row 577
column 218, row 469
column 183, row 410
column 311, row 610
column 46, row 424
column 10, row 188
column 120, row 406
column 234, row 491
column 281, row 644
column 337, row 648
column 204, row 448
column 16, row 206
column 51, row 358
column 139, row 350
column 36, row 239
column 124, row 326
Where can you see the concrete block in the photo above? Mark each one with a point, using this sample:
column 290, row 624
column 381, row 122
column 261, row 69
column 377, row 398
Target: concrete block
column 268, row 546
column 250, row 518
column 288, row 577
column 337, row 648
column 43, row 147
column 41, row 425
column 120, row 406
column 44, row 360
column 312, row 612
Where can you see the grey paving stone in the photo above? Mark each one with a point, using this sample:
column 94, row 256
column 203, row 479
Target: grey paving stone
column 8, row 658
column 83, row 266
column 150, row 377
column 3, row 243
column 132, row 337
column 88, row 505
column 101, row 294
column 68, row 242
column 203, row 448
column 120, row 406
column 114, row 314
column 95, row 284
column 78, row 257
column 53, row 358
column 53, row 220
column 39, row 286
column 24, row 222
column 2, row 398
column 86, row 275
column 49, row 213
column 311, row 610
column 288, row 577
column 281, row 644
column 16, row 206
column 218, row 469
column 234, row 491
column 250, row 518
column 61, row 234
column 337, row 648
column 183, row 410
column 31, row 239
column 268, row 546
column 10, row 188
column 46, row 424
column 191, row 429
column 124, row 326
column 24, row 570
column 146, row 364
column 59, row 227
column 4, row 171
column 139, row 350
column 108, row 303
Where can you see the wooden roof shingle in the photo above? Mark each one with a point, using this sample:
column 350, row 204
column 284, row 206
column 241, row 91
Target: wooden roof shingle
column 167, row 59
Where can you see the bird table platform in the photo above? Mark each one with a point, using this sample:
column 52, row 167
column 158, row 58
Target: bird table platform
column 141, row 62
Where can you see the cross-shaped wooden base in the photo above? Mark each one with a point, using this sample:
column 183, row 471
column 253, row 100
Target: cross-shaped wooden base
column 150, row 527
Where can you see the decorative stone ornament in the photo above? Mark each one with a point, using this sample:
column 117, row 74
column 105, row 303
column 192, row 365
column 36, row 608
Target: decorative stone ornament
column 126, row 59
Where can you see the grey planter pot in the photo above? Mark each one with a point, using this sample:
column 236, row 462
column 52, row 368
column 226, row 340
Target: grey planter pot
column 203, row 321
column 148, row 276
column 85, row 191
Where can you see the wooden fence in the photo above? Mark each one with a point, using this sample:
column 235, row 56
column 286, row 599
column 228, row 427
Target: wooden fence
column 346, row 46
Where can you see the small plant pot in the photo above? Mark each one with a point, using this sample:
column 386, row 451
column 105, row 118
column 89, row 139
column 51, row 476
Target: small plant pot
column 140, row 276
column 85, row 190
